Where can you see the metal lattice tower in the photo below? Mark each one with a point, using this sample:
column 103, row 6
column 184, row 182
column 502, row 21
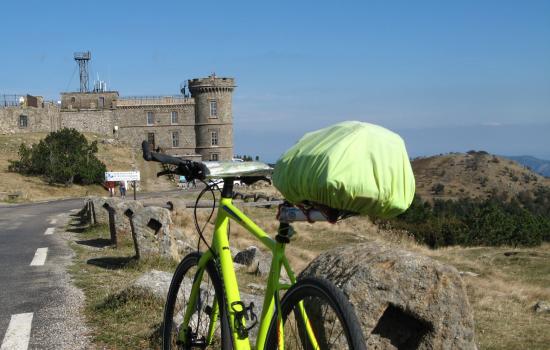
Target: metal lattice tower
column 82, row 59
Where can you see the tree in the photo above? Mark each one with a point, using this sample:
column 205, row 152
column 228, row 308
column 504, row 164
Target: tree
column 64, row 156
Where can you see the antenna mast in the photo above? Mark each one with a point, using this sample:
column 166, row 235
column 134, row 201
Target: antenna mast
column 82, row 59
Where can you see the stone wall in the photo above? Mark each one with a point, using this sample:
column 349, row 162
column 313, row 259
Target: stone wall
column 38, row 119
column 133, row 127
column 99, row 122
column 88, row 100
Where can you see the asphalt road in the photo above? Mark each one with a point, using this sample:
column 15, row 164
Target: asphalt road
column 34, row 287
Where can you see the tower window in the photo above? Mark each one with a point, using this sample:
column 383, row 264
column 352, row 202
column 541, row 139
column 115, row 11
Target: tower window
column 175, row 139
column 174, row 117
column 150, row 118
column 213, row 109
column 214, row 135
column 23, row 121
column 214, row 156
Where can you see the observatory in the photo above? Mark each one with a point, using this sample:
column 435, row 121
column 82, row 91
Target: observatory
column 196, row 124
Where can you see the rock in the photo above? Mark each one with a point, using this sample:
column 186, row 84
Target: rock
column 469, row 273
column 541, row 306
column 100, row 214
column 156, row 234
column 257, row 262
column 245, row 257
column 155, row 282
column 403, row 300
column 256, row 287
column 158, row 283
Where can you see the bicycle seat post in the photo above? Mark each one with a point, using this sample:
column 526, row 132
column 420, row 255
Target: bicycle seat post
column 227, row 190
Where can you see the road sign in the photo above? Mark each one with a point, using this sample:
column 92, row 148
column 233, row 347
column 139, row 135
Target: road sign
column 122, row 176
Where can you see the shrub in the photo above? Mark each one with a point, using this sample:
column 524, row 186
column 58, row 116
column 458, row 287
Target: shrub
column 64, row 157
column 438, row 188
column 469, row 222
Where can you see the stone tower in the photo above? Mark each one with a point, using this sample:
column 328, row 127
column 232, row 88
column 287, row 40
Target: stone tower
column 213, row 116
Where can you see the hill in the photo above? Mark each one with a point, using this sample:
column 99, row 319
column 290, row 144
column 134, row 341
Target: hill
column 540, row 166
column 116, row 156
column 473, row 175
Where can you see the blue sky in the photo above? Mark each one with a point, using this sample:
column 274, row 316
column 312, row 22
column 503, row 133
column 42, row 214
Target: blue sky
column 446, row 75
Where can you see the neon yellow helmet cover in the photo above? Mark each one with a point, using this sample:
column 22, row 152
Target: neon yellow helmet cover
column 353, row 166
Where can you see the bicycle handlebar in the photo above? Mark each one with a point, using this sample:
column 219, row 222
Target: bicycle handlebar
column 188, row 168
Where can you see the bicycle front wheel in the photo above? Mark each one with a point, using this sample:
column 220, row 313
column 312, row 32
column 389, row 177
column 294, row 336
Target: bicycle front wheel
column 315, row 315
column 208, row 327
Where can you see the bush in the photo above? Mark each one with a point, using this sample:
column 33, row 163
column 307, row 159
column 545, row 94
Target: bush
column 469, row 222
column 438, row 188
column 64, row 157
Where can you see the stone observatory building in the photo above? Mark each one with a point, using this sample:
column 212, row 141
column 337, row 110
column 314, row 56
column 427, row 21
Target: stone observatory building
column 199, row 126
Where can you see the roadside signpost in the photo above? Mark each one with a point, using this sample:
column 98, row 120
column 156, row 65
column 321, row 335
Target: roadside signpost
column 132, row 176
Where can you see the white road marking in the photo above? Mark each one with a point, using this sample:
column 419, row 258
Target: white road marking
column 39, row 257
column 49, row 230
column 18, row 333
column 53, row 221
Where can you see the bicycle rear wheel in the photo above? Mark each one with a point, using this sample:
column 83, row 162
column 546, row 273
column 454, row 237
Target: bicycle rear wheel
column 316, row 315
column 208, row 327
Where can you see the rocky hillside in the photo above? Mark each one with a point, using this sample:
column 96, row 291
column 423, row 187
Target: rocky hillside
column 473, row 175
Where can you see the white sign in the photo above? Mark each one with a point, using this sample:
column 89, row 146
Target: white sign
column 122, row 176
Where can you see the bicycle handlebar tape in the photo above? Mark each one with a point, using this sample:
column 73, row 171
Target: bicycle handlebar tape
column 146, row 151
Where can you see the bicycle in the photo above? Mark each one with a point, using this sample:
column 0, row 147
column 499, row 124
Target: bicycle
column 203, row 307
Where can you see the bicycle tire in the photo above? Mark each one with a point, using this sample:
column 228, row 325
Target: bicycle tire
column 186, row 269
column 314, row 293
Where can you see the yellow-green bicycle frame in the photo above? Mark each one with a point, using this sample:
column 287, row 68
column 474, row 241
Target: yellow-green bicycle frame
column 220, row 246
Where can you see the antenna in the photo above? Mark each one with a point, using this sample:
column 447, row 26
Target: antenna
column 183, row 89
column 82, row 59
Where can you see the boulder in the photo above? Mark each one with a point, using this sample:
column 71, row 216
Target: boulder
column 157, row 283
column 101, row 216
column 257, row 263
column 156, row 235
column 403, row 300
column 541, row 306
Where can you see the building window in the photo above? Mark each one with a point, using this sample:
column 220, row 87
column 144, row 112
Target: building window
column 101, row 102
column 175, row 139
column 174, row 117
column 213, row 109
column 151, row 139
column 73, row 99
column 23, row 121
column 150, row 118
column 214, row 156
column 214, row 135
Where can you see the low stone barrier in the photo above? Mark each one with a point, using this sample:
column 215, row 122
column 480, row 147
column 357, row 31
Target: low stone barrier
column 152, row 229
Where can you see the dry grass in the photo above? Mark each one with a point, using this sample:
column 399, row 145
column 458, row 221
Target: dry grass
column 117, row 157
column 473, row 176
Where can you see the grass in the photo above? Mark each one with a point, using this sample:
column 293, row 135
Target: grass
column 119, row 317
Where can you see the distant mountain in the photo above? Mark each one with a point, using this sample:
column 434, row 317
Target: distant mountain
column 540, row 166
column 473, row 175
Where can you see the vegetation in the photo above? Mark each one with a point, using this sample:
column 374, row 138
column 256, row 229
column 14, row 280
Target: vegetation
column 64, row 157
column 523, row 221
column 120, row 316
